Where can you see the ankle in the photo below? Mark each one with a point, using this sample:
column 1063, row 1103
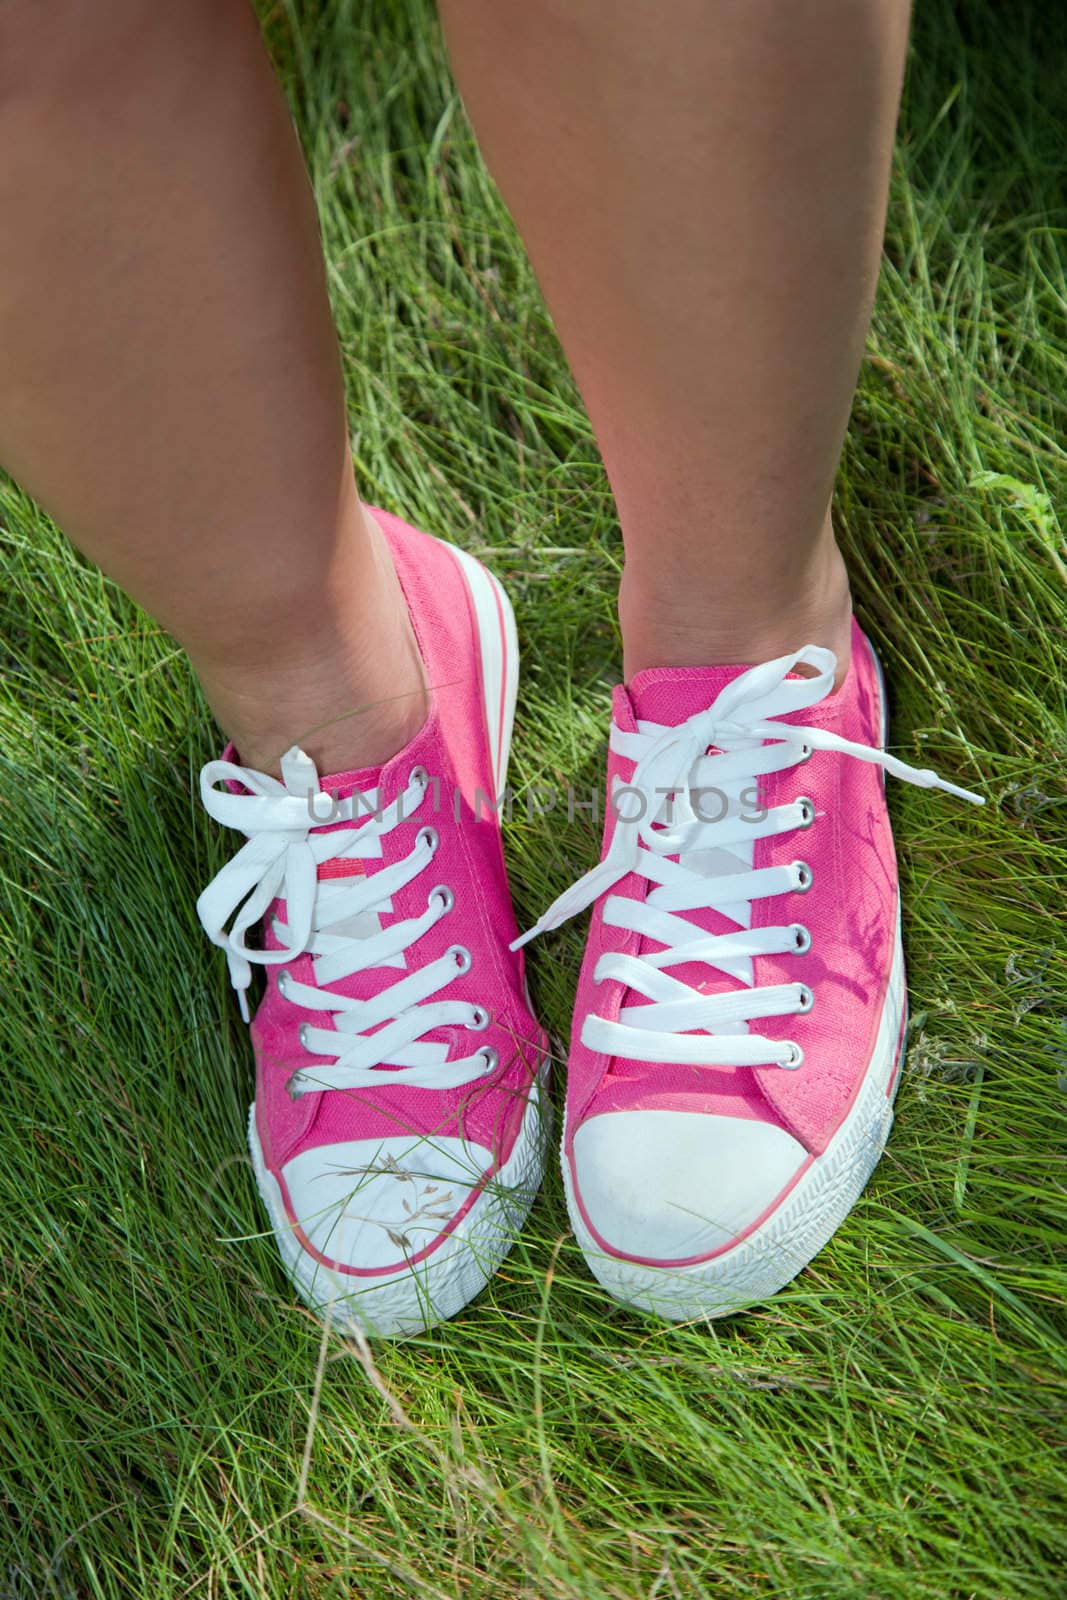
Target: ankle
column 343, row 721
column 340, row 674
column 701, row 624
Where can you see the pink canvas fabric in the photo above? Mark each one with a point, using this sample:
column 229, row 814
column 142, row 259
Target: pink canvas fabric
column 851, row 914
column 850, row 910
column 455, row 750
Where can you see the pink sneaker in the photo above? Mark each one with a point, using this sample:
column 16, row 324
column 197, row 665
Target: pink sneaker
column 740, row 1012
column 398, row 1131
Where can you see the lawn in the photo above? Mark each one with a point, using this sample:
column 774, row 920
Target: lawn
column 891, row 1427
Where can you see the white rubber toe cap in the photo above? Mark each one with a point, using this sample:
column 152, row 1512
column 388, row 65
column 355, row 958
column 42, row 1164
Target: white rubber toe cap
column 668, row 1186
column 374, row 1204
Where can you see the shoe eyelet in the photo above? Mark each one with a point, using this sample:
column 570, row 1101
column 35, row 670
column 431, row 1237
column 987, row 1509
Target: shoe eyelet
column 491, row 1058
column 428, row 836
column 793, row 1058
column 283, row 985
column 801, row 938
column 292, row 1086
column 302, row 1034
column 806, row 753
column 804, row 877
column 419, row 776
column 443, row 893
column 480, row 1020
column 807, row 999
column 461, row 956
column 807, row 810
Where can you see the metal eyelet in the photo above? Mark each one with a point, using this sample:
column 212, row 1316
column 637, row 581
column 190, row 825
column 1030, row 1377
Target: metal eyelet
column 807, row 810
column 804, row 877
column 491, row 1058
column 481, row 1020
column 462, row 957
column 807, row 999
column 801, row 938
column 283, row 985
column 794, row 1057
column 302, row 1034
column 429, row 835
column 444, row 893
column 420, row 776
column 806, row 753
column 292, row 1086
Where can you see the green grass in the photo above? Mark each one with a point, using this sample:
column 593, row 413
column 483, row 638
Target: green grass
column 892, row 1425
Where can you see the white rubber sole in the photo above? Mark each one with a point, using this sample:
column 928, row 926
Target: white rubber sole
column 772, row 1255
column 811, row 1214
column 500, row 660
column 409, row 1301
column 415, row 1298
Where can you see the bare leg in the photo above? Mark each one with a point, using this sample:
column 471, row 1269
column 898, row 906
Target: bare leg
column 169, row 385
column 702, row 188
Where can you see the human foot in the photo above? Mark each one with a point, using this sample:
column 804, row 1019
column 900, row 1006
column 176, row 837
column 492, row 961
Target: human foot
column 398, row 1127
column 740, row 1012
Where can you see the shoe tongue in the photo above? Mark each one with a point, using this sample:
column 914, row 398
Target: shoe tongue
column 335, row 786
column 339, row 785
column 670, row 695
column 298, row 771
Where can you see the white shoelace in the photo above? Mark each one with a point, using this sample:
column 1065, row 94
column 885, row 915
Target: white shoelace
column 665, row 815
column 337, row 922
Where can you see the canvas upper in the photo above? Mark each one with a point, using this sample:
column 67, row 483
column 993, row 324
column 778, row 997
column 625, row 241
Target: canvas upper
column 739, row 1013
column 395, row 1179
